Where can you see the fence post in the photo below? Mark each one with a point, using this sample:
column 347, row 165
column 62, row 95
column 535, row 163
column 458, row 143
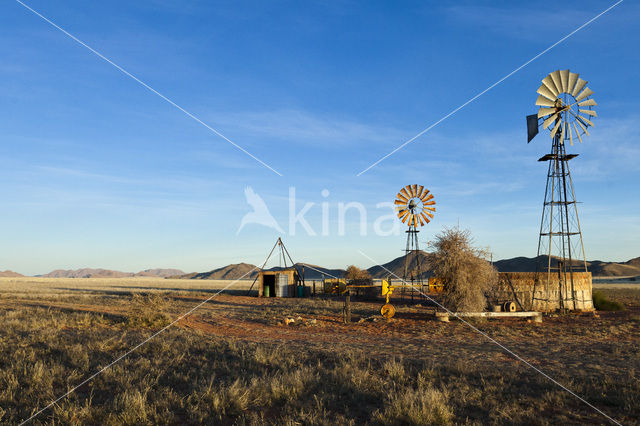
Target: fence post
column 347, row 308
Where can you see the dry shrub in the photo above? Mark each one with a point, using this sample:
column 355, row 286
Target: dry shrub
column 148, row 311
column 464, row 270
column 361, row 277
column 354, row 273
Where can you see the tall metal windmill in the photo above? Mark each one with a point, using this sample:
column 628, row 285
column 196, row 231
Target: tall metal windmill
column 415, row 206
column 566, row 109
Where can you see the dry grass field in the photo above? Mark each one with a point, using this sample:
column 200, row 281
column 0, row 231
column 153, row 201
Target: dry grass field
column 233, row 361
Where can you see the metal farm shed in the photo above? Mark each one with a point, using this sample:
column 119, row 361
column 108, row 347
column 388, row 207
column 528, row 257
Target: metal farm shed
column 281, row 283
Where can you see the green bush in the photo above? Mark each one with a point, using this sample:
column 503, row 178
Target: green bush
column 601, row 303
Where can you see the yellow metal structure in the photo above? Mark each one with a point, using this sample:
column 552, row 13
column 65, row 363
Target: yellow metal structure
column 335, row 285
column 387, row 311
column 436, row 285
column 340, row 286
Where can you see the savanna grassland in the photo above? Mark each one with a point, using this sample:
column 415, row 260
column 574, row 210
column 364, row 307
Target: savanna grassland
column 233, row 361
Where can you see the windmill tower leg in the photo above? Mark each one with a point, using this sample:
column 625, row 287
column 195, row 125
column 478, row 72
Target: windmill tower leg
column 412, row 270
column 560, row 235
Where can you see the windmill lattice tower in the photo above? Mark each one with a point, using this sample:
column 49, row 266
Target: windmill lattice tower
column 566, row 109
column 415, row 206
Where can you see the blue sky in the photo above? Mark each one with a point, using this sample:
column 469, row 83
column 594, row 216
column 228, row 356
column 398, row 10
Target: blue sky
column 100, row 172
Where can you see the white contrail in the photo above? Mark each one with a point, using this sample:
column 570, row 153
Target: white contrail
column 145, row 85
column 491, row 87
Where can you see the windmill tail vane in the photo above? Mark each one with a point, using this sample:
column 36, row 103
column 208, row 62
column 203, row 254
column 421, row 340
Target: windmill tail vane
column 565, row 107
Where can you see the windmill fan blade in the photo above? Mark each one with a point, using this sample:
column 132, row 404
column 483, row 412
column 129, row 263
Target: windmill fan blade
column 584, row 120
column 542, row 101
column 408, row 188
column 573, row 77
column 555, row 129
column 400, row 202
column 414, row 188
column 564, row 80
column 570, row 135
column 402, row 197
column 588, row 102
column 421, row 221
column 546, row 92
column 586, row 92
column 404, row 219
column 424, row 216
column 549, row 120
column 429, row 214
column 548, row 83
column 545, row 111
column 588, row 112
column 578, row 87
column 405, row 193
column 427, row 198
column 420, row 189
column 430, row 203
column 586, row 132
column 555, row 76
column 577, row 132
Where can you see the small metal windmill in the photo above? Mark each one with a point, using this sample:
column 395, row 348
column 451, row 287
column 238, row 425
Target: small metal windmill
column 415, row 207
column 566, row 109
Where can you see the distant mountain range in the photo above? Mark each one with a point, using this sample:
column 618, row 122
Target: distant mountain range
column 10, row 274
column 107, row 273
column 395, row 267
column 242, row 270
column 597, row 267
column 229, row 272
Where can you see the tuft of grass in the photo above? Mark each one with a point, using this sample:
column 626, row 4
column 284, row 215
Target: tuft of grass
column 601, row 303
column 425, row 405
column 148, row 311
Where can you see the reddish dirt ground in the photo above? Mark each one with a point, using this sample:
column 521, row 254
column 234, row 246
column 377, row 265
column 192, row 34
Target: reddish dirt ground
column 413, row 332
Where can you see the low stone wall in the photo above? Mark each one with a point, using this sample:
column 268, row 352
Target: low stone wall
column 531, row 291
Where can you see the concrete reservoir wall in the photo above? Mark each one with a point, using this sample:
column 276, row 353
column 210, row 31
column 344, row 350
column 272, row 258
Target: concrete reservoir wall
column 540, row 292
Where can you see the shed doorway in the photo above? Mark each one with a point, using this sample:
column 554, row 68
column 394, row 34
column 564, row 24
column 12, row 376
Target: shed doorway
column 269, row 285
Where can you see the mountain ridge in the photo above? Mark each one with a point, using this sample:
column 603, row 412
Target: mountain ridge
column 395, row 266
column 109, row 273
column 9, row 273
